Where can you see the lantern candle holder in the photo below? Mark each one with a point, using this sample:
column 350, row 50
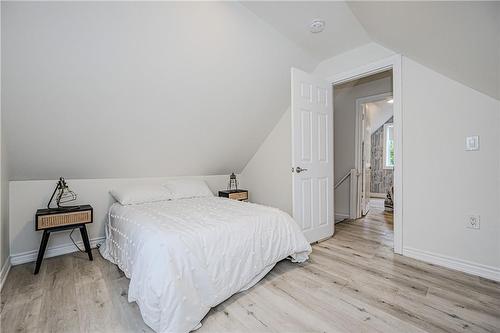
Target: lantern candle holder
column 233, row 183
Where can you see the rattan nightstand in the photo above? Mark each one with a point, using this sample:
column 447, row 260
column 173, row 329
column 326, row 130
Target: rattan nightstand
column 52, row 220
column 240, row 195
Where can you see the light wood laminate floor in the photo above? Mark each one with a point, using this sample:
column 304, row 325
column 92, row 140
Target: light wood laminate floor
column 352, row 283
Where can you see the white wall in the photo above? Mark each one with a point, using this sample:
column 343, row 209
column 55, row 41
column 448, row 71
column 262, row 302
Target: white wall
column 344, row 113
column 139, row 89
column 27, row 196
column 4, row 198
column 443, row 183
column 268, row 175
column 4, row 207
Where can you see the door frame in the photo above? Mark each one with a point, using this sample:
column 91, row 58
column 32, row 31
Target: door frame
column 394, row 63
column 358, row 149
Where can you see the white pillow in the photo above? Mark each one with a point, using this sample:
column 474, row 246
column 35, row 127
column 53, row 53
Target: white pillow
column 188, row 188
column 138, row 194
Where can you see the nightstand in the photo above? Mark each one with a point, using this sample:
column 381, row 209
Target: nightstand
column 53, row 220
column 240, row 195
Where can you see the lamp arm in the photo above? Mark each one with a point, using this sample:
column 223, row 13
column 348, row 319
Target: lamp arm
column 59, row 196
column 52, row 196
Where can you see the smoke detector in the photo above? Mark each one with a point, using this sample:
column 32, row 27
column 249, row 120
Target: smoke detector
column 317, row 26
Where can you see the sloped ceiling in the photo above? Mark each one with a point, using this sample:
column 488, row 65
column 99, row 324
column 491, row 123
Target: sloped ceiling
column 293, row 19
column 136, row 89
column 379, row 113
column 458, row 39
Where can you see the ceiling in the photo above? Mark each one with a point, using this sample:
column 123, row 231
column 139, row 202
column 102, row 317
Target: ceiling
column 139, row 89
column 458, row 39
column 379, row 113
column 342, row 30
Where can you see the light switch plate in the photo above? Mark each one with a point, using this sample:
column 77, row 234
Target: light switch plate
column 472, row 143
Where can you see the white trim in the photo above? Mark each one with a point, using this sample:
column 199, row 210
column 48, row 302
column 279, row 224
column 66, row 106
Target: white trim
column 384, row 145
column 353, row 194
column 378, row 195
column 4, row 272
column 341, row 216
column 398, row 154
column 359, row 114
column 365, row 70
column 465, row 266
column 393, row 62
column 29, row 256
column 358, row 138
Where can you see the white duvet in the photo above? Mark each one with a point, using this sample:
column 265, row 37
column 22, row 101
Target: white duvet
column 185, row 256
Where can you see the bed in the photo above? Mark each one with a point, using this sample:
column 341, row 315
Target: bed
column 187, row 255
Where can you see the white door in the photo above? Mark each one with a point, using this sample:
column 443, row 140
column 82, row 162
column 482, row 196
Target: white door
column 366, row 163
column 312, row 155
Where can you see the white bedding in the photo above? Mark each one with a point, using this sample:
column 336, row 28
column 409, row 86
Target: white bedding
column 185, row 256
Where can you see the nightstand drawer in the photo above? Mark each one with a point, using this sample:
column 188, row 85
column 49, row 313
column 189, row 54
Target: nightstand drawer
column 239, row 196
column 57, row 220
column 53, row 218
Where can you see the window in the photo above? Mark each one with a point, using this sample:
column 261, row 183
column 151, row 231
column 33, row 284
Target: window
column 389, row 146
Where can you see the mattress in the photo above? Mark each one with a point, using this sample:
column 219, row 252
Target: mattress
column 185, row 256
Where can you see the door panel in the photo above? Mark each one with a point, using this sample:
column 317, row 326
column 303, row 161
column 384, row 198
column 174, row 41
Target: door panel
column 305, row 124
column 323, row 137
column 323, row 200
column 306, row 202
column 312, row 150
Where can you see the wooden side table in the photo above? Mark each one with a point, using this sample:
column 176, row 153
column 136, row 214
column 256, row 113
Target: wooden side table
column 240, row 195
column 54, row 220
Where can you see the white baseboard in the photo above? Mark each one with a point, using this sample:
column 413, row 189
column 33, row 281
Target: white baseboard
column 4, row 272
column 378, row 195
column 465, row 266
column 29, row 256
column 340, row 217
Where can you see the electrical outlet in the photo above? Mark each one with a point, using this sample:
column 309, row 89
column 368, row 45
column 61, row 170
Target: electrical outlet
column 473, row 222
column 472, row 143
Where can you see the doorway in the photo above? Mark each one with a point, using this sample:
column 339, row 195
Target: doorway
column 357, row 179
column 374, row 148
column 361, row 107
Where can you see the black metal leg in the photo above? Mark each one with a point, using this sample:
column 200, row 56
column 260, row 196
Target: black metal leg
column 85, row 238
column 41, row 251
